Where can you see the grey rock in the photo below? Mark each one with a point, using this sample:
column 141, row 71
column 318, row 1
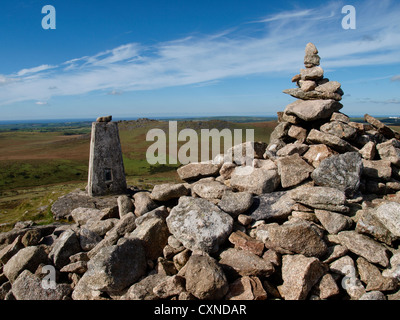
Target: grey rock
column 152, row 230
column 199, row 224
column 29, row 287
column 274, row 205
column 205, row 278
column 125, row 205
column 116, row 267
column 143, row 203
column 28, row 258
column 64, row 205
column 339, row 129
column 310, row 110
column 9, row 250
column 168, row 191
column 255, row 180
column 291, row 149
column 307, row 85
column 209, row 189
column 88, row 239
column 81, row 215
column 65, row 246
column 280, row 131
column 364, row 246
column 342, row 172
column 321, row 198
column 236, row 203
column 193, row 171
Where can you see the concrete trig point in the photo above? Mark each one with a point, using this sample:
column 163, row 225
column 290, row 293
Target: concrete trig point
column 106, row 166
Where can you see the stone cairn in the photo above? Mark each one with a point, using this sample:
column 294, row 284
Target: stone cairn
column 317, row 216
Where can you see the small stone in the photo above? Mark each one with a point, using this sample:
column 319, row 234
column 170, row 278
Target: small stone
column 313, row 73
column 337, row 116
column 299, row 275
column 168, row 191
column 327, row 287
column 382, row 128
column 210, row 189
column 205, row 278
column 143, row 203
column 274, row 205
column 293, row 170
column 390, row 150
column 242, row 241
column 365, row 247
column 227, row 169
column 307, row 85
column 254, row 180
column 104, row 119
column 236, row 203
column 245, row 263
column 298, row 133
column 125, row 205
column 317, row 153
column 170, row 286
column 194, row 171
column 368, row 151
column 333, row 222
column 65, row 246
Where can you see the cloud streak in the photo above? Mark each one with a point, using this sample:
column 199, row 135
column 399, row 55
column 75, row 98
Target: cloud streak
column 237, row 52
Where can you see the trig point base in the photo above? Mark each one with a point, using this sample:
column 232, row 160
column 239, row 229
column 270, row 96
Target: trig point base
column 106, row 168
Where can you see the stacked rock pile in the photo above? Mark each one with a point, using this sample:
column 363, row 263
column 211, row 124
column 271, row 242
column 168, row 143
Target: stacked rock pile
column 316, row 216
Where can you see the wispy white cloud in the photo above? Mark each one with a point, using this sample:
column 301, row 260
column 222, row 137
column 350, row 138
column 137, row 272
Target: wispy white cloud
column 274, row 45
column 43, row 67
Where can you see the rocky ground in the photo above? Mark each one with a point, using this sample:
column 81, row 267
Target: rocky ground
column 315, row 216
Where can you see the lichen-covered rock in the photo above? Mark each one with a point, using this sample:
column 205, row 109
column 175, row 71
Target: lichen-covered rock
column 199, row 224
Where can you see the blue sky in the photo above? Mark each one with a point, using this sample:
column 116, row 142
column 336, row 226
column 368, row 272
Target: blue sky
column 190, row 57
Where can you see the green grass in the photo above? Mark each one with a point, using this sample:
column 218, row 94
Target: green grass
column 29, row 173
